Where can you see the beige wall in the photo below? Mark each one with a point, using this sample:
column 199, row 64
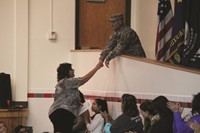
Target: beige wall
column 144, row 22
column 25, row 51
column 45, row 55
column 133, row 76
column 14, row 45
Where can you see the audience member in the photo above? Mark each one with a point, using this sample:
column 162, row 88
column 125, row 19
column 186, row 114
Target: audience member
column 181, row 125
column 123, row 40
column 97, row 121
column 148, row 114
column 129, row 120
column 21, row 129
column 164, row 117
column 3, row 128
column 79, row 124
column 67, row 101
column 195, row 126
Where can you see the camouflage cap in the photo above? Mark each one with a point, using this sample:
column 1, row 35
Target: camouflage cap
column 115, row 17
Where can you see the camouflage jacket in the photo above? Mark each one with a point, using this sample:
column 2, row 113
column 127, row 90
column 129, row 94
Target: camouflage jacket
column 124, row 41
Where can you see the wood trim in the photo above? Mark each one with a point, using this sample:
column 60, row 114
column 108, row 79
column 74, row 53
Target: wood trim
column 13, row 117
column 128, row 13
column 77, row 42
column 86, row 50
column 151, row 61
column 165, row 64
column 13, row 113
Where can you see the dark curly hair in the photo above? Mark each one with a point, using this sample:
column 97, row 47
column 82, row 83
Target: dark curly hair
column 18, row 128
column 63, row 71
column 196, row 104
column 103, row 104
column 160, row 106
column 129, row 105
column 146, row 106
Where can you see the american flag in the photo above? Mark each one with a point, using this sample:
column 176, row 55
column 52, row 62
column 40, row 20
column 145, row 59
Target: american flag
column 164, row 30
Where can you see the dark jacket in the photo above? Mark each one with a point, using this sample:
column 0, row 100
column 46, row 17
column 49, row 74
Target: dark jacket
column 124, row 123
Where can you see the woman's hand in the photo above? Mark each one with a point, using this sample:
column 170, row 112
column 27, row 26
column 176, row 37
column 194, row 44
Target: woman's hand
column 105, row 115
column 175, row 107
column 91, row 73
column 99, row 64
column 194, row 125
column 86, row 116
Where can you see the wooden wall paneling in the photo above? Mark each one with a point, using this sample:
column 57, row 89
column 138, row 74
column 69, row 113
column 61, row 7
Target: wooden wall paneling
column 92, row 26
column 13, row 117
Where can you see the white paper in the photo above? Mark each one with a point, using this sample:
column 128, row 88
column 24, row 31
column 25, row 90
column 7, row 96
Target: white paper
column 86, row 106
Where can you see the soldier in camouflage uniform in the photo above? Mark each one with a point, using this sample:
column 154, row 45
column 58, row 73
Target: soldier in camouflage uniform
column 123, row 40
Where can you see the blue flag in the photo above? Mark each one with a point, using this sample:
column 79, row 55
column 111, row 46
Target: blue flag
column 191, row 54
column 178, row 33
column 185, row 41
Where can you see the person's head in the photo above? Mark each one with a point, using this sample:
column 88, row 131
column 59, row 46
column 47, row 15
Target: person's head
column 160, row 106
column 117, row 21
column 129, row 105
column 20, row 129
column 64, row 70
column 3, row 128
column 146, row 109
column 99, row 105
column 196, row 104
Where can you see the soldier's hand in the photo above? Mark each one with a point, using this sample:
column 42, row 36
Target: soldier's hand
column 107, row 63
column 101, row 60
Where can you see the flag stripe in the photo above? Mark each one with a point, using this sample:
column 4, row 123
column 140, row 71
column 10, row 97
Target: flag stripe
column 164, row 31
column 165, row 21
column 167, row 27
column 165, row 43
